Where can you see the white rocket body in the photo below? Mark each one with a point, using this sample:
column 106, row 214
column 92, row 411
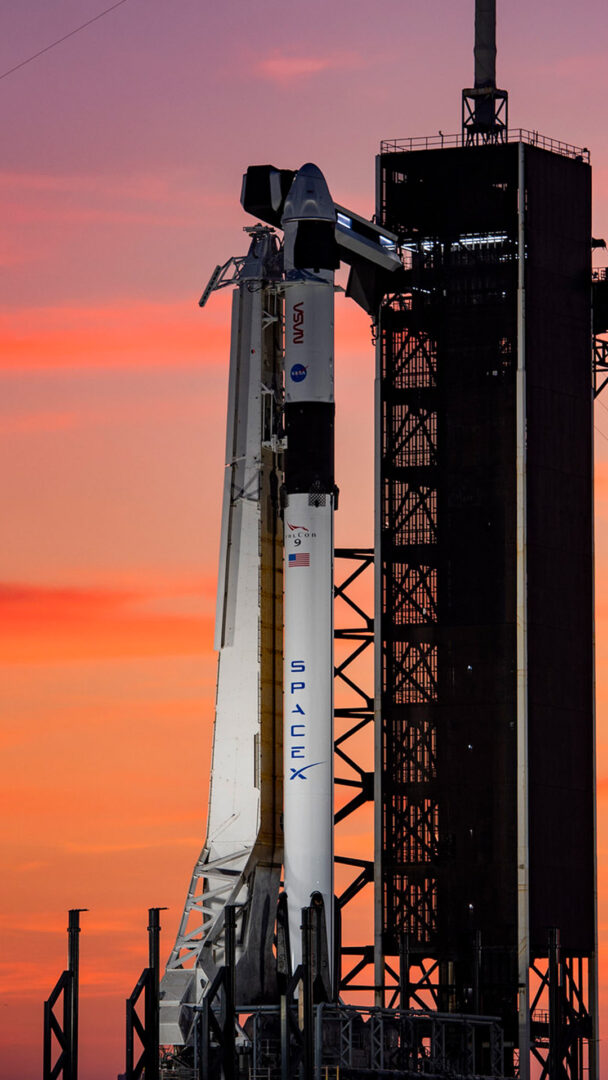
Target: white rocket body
column 308, row 521
column 240, row 863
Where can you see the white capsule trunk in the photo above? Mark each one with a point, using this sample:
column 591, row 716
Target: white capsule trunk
column 309, row 336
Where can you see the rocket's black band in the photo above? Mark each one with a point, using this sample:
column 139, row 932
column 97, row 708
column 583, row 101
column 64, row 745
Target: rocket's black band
column 309, row 455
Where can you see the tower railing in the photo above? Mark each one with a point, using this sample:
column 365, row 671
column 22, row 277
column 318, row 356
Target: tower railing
column 524, row 135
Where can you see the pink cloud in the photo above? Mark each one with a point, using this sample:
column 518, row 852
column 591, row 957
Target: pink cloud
column 126, row 187
column 576, row 66
column 45, row 214
column 281, row 69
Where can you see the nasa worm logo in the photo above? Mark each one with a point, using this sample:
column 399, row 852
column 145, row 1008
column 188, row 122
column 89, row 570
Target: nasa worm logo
column 298, row 373
column 298, row 323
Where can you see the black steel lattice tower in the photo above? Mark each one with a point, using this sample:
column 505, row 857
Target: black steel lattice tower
column 484, row 562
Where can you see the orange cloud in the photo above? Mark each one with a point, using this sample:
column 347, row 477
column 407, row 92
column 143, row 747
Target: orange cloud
column 139, row 335
column 45, row 420
column 123, row 336
column 157, row 408
column 39, row 623
column 600, row 479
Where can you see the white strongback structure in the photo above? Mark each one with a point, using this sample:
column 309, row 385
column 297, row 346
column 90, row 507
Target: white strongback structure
column 241, row 859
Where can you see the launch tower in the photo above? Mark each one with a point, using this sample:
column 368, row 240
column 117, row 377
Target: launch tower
column 485, row 844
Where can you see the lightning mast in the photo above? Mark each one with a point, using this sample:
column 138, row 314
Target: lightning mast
column 484, row 107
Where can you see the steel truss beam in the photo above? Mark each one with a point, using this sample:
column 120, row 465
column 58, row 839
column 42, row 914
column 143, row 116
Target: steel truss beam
column 56, row 1031
column 355, row 628
column 409, row 582
column 599, row 295
column 600, row 365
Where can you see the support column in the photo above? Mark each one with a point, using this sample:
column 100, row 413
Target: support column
column 523, row 933
column 73, row 969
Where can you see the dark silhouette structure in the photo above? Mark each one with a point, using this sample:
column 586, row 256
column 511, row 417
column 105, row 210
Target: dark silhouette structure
column 60, row 1033
column 485, row 580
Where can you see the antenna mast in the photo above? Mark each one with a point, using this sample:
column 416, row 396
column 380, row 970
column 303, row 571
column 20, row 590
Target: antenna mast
column 484, row 108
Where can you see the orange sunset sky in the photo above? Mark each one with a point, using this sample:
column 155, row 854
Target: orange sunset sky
column 123, row 149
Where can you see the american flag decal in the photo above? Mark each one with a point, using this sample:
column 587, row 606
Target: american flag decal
column 301, row 558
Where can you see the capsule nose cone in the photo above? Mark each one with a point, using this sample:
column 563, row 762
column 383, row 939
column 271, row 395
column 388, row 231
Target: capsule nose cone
column 311, row 172
column 309, row 197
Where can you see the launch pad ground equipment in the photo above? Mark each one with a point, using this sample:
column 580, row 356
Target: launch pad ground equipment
column 60, row 1033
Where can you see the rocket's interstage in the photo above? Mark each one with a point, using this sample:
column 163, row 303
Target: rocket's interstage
column 309, row 262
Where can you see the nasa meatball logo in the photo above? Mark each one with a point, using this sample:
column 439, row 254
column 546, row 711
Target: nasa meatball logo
column 298, row 373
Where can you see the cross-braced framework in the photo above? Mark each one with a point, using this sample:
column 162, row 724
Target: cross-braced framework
column 57, row 1046
column 60, row 1033
column 354, row 716
column 485, row 115
column 560, row 1022
column 600, row 364
column 599, row 286
column 409, row 580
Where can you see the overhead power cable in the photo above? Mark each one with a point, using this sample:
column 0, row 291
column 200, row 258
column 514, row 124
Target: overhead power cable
column 65, row 37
